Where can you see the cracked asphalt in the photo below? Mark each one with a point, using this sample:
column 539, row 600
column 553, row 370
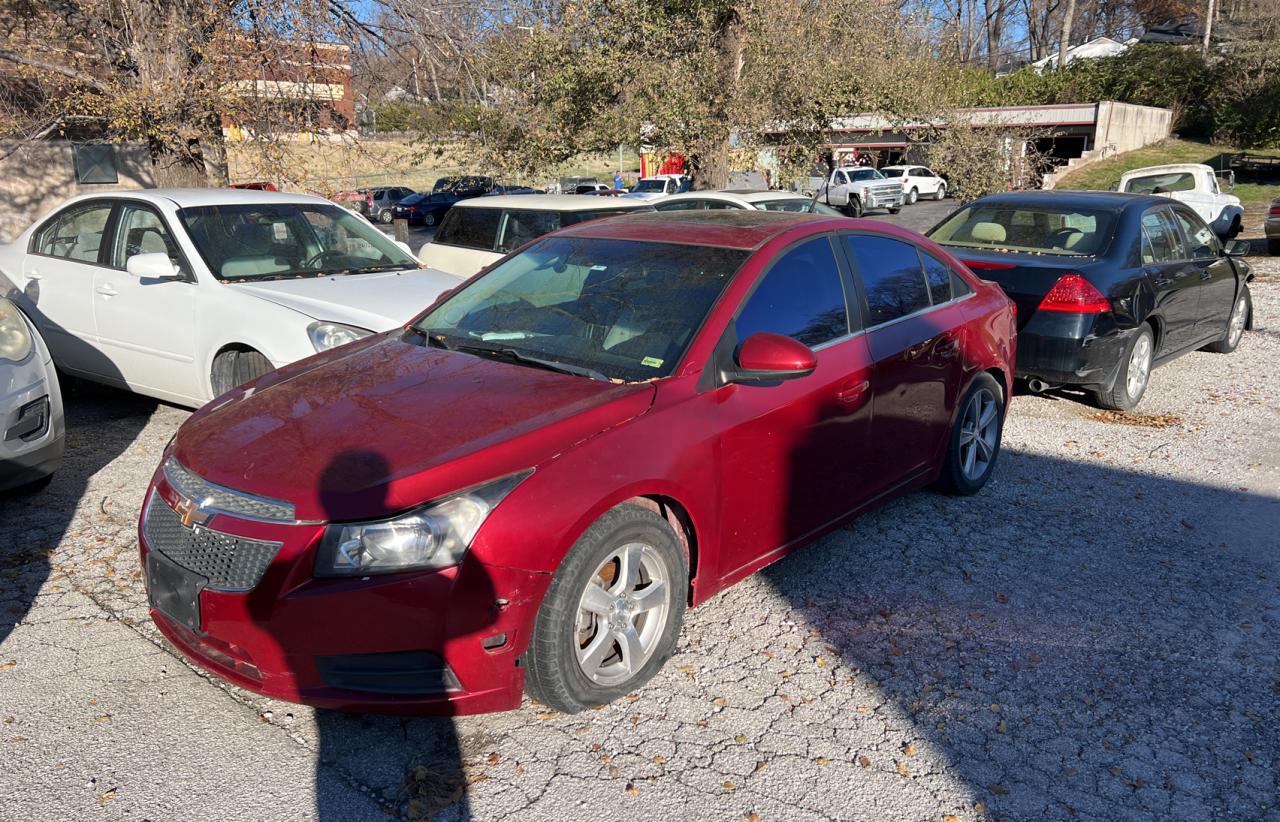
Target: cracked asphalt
column 1096, row 635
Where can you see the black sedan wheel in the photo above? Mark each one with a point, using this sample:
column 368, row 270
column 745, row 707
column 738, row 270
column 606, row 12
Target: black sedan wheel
column 429, row 219
column 1235, row 325
column 1135, row 372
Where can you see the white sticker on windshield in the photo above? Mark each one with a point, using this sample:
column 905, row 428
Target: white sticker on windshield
column 280, row 230
column 598, row 267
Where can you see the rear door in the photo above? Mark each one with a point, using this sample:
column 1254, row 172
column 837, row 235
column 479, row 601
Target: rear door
column 916, row 345
column 1173, row 279
column 1216, row 274
column 58, row 272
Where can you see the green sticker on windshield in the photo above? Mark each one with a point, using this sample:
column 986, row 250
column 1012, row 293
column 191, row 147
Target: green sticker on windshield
column 652, row 362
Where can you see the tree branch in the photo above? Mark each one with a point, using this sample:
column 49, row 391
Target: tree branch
column 65, row 71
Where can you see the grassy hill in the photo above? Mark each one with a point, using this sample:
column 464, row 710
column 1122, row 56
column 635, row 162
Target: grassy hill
column 1102, row 175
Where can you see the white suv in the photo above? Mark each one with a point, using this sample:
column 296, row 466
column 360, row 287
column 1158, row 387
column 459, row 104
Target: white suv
column 917, row 182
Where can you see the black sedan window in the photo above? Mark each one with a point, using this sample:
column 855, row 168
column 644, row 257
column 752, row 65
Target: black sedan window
column 1068, row 232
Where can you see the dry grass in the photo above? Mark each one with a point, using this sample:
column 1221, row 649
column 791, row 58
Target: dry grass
column 1133, row 418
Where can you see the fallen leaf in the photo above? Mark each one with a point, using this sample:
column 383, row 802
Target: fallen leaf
column 822, row 663
column 760, row 766
column 106, row 795
column 740, row 739
column 659, row 760
column 545, row 715
column 613, row 771
column 632, row 790
column 718, row 701
column 822, row 760
column 103, row 718
column 902, row 769
column 493, row 759
column 728, row 786
column 979, row 807
column 864, row 761
column 751, row 816
column 1003, row 727
column 994, row 707
column 863, row 709
column 950, row 817
column 1114, row 770
column 8, row 664
column 909, row 749
column 1251, row 756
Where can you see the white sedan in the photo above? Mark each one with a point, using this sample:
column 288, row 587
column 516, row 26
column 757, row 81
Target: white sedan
column 917, row 182
column 183, row 294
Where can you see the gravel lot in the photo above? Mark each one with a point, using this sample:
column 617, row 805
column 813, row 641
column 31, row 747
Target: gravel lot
column 1096, row 635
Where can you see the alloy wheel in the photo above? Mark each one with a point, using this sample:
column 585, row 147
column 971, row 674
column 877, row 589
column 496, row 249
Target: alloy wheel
column 1139, row 366
column 622, row 614
column 979, row 434
column 1239, row 317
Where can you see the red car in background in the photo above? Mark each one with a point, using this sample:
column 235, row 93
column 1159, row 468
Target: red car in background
column 524, row 488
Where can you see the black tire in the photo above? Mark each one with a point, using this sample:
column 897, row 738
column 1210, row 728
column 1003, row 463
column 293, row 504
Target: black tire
column 429, row 219
column 854, row 207
column 895, row 210
column 554, row 676
column 235, row 368
column 956, row 478
column 1121, row 396
column 1273, row 248
column 1235, row 229
column 1235, row 333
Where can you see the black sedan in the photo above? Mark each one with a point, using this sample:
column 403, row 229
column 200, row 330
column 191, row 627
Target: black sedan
column 425, row 209
column 1107, row 286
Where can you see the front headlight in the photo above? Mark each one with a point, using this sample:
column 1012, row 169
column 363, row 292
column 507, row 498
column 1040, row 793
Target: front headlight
column 15, row 339
column 331, row 335
column 434, row 536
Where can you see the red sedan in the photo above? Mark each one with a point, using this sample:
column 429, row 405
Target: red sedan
column 524, row 488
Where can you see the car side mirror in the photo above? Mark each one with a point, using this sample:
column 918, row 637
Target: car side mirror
column 765, row 357
column 153, row 266
column 1238, row 248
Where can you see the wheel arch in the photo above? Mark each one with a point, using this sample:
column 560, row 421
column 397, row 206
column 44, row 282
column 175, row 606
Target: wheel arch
column 677, row 516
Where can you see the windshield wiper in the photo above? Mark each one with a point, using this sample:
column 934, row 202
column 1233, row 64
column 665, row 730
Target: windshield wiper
column 436, row 339
column 555, row 365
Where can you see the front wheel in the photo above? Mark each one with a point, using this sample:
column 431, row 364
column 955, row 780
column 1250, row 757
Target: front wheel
column 975, row 438
column 1135, row 373
column 429, row 219
column 854, row 207
column 912, row 196
column 385, row 216
column 894, row 210
column 612, row 614
column 1235, row 325
column 940, row 193
column 232, row 369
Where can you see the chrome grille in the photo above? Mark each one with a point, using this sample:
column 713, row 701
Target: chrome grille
column 230, row 563
column 219, row 499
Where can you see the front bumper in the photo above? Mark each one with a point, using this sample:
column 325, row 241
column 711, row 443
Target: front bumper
column 32, row 427
column 887, row 200
column 427, row 642
column 1062, row 348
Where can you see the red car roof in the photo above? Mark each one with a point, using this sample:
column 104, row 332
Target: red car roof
column 743, row 229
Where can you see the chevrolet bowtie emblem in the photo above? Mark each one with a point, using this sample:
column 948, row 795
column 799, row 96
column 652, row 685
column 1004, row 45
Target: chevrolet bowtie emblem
column 189, row 511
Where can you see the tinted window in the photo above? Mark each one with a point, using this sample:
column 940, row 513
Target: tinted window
column 1008, row 227
column 523, row 226
column 1160, row 241
column 625, row 309
column 76, row 234
column 574, row 217
column 1201, row 239
column 141, row 231
column 892, row 172
column 470, row 228
column 891, row 276
column 938, row 275
column 802, row 297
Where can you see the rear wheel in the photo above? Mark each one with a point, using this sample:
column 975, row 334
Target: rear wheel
column 613, row 612
column 975, row 438
column 1235, row 325
column 237, row 367
column 941, row 192
column 1135, row 373
column 385, row 216
column 429, row 219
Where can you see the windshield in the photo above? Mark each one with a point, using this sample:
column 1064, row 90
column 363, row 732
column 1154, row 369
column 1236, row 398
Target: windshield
column 1005, row 228
column 282, row 240
column 622, row 309
column 414, row 199
column 860, row 174
column 651, row 185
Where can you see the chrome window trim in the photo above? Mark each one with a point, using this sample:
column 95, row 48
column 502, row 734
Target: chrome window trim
column 922, row 311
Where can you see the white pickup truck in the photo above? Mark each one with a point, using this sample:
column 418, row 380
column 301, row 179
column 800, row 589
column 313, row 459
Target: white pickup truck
column 855, row 189
column 1194, row 184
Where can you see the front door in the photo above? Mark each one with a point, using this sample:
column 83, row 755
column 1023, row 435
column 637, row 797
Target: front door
column 147, row 326
column 914, row 336
column 1216, row 275
column 1173, row 279
column 57, row 279
column 795, row 454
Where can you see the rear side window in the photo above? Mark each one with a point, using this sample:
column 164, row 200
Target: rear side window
column 76, row 234
column 470, row 228
column 940, row 277
column 892, row 277
column 1201, row 239
column 1160, row 241
column 801, row 297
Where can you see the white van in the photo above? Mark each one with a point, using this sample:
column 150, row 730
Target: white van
column 477, row 232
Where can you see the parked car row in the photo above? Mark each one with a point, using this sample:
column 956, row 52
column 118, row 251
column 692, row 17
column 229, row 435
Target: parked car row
column 451, row 492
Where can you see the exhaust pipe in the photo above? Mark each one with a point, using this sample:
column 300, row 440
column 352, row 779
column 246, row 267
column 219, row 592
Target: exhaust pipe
column 1038, row 385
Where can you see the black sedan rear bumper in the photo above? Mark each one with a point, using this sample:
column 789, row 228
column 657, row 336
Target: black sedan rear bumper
column 1062, row 348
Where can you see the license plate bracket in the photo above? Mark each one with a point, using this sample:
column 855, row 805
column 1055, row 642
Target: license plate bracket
column 174, row 591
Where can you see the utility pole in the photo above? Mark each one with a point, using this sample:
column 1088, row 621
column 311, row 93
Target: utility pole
column 1208, row 29
column 1065, row 43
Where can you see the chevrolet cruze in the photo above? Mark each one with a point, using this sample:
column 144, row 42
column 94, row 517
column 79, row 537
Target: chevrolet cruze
column 524, row 488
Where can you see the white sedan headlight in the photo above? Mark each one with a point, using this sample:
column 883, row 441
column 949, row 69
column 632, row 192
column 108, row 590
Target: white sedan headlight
column 436, row 535
column 331, row 335
column 15, row 338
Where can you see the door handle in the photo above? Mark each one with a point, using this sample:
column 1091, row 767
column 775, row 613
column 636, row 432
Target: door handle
column 107, row 290
column 852, row 394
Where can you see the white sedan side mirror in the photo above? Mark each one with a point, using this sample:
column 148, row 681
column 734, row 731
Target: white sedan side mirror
column 154, row 266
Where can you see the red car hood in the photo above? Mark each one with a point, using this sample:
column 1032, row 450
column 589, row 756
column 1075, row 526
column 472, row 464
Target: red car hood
column 383, row 425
